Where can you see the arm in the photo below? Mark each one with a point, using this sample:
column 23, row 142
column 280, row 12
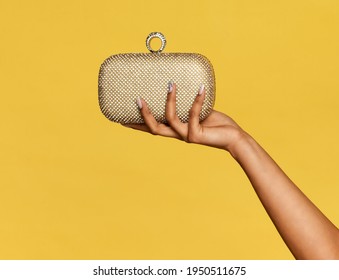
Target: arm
column 305, row 230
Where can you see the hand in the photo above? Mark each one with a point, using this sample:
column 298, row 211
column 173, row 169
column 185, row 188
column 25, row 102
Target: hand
column 217, row 130
column 297, row 219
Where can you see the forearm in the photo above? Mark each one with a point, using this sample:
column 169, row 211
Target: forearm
column 305, row 230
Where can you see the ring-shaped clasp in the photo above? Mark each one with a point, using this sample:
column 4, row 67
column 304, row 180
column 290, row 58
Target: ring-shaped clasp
column 156, row 35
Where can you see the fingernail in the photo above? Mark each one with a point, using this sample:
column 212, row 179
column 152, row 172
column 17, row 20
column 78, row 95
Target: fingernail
column 201, row 89
column 170, row 86
column 139, row 102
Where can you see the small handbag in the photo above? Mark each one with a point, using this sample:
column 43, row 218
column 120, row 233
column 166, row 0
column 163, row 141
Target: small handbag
column 124, row 77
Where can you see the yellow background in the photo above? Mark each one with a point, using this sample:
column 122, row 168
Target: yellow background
column 76, row 186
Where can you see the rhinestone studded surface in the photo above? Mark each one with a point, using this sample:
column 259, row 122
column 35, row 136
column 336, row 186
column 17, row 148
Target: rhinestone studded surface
column 124, row 77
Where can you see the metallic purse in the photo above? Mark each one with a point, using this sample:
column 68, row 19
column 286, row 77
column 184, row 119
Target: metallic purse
column 124, row 77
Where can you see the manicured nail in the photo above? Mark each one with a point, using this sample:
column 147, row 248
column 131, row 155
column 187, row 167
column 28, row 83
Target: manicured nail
column 170, row 86
column 201, row 89
column 139, row 102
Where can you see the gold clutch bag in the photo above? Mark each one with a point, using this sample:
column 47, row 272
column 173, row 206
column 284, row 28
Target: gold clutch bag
column 124, row 77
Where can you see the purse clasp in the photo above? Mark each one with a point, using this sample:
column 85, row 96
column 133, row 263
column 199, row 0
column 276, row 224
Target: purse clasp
column 156, row 35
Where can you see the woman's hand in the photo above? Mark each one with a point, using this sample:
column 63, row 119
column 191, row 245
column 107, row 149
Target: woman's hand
column 217, row 130
column 306, row 231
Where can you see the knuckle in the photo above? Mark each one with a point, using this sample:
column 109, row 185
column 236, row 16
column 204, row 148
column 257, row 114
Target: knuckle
column 146, row 112
column 154, row 131
column 198, row 100
column 193, row 113
column 170, row 99
column 192, row 137
column 172, row 121
column 169, row 117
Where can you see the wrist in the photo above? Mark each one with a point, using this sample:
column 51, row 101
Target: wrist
column 240, row 144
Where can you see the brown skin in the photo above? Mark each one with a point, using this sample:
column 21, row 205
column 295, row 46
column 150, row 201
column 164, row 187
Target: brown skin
column 305, row 230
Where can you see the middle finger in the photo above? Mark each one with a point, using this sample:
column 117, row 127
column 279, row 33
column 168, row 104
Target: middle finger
column 171, row 114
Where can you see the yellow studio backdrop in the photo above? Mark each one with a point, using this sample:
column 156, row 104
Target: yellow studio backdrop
column 76, row 186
